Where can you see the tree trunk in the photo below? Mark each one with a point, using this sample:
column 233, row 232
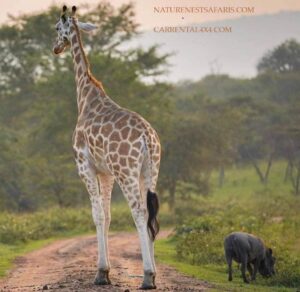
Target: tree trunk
column 221, row 176
column 288, row 171
column 258, row 171
column 263, row 177
column 296, row 180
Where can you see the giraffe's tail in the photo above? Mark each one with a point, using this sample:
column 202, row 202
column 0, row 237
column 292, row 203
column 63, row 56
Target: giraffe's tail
column 153, row 207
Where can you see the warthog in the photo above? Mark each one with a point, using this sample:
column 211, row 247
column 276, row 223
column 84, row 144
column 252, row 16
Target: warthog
column 251, row 252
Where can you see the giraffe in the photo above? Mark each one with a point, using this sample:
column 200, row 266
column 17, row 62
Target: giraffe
column 111, row 144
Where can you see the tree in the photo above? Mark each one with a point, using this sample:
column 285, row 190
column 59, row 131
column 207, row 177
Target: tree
column 38, row 98
column 283, row 59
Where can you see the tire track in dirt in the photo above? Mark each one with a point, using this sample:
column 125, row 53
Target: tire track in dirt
column 70, row 265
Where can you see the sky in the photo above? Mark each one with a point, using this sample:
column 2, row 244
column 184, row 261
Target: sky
column 194, row 54
column 144, row 9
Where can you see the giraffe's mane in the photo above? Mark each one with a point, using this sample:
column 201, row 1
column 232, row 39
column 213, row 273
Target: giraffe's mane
column 88, row 72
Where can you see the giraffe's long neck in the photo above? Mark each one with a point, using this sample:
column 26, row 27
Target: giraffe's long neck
column 81, row 66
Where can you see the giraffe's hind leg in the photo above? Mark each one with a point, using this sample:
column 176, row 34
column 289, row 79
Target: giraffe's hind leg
column 131, row 190
column 148, row 182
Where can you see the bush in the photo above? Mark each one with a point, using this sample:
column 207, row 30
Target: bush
column 199, row 240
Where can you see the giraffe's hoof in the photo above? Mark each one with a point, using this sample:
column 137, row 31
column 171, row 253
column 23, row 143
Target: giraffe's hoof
column 149, row 281
column 102, row 278
column 147, row 287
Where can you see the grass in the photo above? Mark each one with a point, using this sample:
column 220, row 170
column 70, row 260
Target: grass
column 270, row 211
column 215, row 275
column 242, row 204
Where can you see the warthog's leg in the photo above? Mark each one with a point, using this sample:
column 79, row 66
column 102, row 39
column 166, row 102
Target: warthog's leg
column 256, row 263
column 243, row 268
column 250, row 270
column 229, row 263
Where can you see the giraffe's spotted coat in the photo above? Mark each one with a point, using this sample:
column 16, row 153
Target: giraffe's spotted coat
column 110, row 144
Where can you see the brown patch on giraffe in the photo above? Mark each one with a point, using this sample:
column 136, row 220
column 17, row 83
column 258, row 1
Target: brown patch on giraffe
column 133, row 121
column 115, row 136
column 133, row 205
column 94, row 103
column 75, row 50
column 92, row 94
column 87, row 123
column 114, row 157
column 122, row 122
column 118, row 115
column 124, row 148
column 79, row 72
column 91, row 141
column 125, row 172
column 113, row 147
column 137, row 145
column 74, row 39
column 95, row 129
column 116, row 167
column 99, row 141
column 134, row 153
column 99, row 107
column 106, row 129
column 107, row 117
column 80, row 140
column 124, row 132
column 77, row 58
column 131, row 162
column 85, row 91
column 122, row 161
column 134, row 135
column 91, row 115
column 98, row 119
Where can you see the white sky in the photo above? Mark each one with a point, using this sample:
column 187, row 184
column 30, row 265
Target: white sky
column 144, row 8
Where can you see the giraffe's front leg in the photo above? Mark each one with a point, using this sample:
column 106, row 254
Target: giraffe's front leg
column 106, row 183
column 89, row 177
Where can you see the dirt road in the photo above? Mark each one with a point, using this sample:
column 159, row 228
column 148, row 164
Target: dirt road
column 70, row 265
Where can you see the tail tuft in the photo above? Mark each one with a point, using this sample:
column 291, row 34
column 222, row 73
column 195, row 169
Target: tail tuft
column 153, row 207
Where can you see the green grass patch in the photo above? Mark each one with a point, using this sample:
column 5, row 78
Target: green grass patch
column 243, row 204
column 216, row 275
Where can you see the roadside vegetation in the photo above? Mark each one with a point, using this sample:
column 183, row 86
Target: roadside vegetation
column 271, row 212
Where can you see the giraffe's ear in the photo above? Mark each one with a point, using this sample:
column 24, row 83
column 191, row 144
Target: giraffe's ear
column 86, row 26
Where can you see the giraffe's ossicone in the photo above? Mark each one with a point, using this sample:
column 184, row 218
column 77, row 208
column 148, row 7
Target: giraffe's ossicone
column 112, row 143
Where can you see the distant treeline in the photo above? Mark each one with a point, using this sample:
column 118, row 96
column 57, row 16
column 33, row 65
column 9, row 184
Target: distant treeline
column 204, row 126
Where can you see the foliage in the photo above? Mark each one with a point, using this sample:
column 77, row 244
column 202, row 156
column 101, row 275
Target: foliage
column 212, row 124
column 271, row 213
column 38, row 100
column 284, row 58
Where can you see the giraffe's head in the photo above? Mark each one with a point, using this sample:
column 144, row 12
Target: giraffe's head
column 63, row 28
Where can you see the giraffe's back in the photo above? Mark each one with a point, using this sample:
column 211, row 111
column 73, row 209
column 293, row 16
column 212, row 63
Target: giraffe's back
column 118, row 141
